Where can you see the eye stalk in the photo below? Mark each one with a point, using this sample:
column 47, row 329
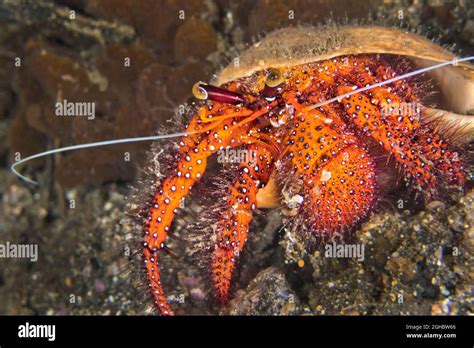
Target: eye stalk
column 274, row 78
column 199, row 92
column 204, row 91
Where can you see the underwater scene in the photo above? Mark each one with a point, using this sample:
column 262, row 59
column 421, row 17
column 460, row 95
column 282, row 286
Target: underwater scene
column 242, row 158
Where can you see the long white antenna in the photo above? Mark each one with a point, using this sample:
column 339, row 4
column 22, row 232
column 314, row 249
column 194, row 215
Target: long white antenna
column 84, row 146
column 455, row 61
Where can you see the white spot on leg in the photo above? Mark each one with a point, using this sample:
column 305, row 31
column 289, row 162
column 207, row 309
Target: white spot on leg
column 325, row 175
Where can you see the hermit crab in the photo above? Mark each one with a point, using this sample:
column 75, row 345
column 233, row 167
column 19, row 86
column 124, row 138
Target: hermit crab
column 310, row 105
column 316, row 108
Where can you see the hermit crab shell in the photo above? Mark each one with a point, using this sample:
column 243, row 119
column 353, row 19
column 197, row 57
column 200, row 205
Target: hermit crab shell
column 295, row 46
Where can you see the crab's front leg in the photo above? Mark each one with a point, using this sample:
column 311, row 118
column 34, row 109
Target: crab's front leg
column 191, row 164
column 231, row 230
column 163, row 207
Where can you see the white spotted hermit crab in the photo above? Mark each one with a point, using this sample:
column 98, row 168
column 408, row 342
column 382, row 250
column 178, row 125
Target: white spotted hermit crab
column 316, row 107
column 296, row 101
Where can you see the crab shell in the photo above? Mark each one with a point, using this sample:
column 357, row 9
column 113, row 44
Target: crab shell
column 295, row 46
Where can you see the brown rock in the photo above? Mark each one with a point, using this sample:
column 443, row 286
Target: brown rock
column 196, row 38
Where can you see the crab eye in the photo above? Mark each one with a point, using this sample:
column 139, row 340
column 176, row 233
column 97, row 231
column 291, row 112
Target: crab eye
column 274, row 78
column 199, row 92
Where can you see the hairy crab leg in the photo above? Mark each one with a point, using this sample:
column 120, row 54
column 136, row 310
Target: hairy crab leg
column 345, row 196
column 194, row 152
column 166, row 201
column 402, row 113
column 338, row 175
column 231, row 231
column 419, row 152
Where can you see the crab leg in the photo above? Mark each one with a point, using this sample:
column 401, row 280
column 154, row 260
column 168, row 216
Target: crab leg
column 337, row 174
column 396, row 112
column 163, row 208
column 194, row 152
column 420, row 153
column 164, row 205
column 231, row 231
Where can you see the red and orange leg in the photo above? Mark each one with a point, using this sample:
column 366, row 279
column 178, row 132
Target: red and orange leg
column 163, row 207
column 338, row 175
column 423, row 154
column 192, row 158
column 228, row 129
column 232, row 228
column 398, row 106
column 342, row 192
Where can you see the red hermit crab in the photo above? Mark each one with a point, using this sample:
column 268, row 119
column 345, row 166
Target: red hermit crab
column 310, row 105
